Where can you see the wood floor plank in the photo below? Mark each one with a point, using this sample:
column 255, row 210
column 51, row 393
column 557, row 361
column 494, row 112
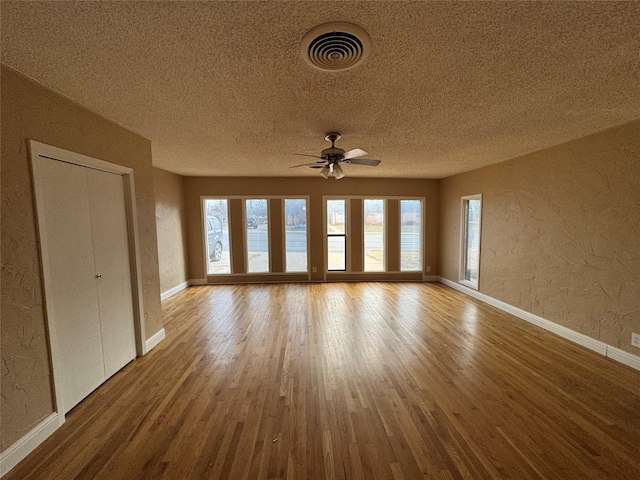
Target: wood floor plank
column 350, row 381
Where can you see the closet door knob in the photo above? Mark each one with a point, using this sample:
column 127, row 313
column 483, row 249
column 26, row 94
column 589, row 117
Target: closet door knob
column 99, row 275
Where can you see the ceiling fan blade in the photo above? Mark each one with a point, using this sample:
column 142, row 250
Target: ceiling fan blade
column 306, row 155
column 369, row 162
column 305, row 164
column 356, row 152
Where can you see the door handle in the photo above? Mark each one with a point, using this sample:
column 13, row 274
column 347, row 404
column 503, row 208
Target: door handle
column 99, row 275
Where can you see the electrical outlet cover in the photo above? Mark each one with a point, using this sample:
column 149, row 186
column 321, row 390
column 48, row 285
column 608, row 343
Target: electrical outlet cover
column 635, row 339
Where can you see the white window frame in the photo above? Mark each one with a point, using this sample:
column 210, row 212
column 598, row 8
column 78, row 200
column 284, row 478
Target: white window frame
column 463, row 240
column 384, row 235
column 203, row 217
column 284, row 233
column 270, row 225
column 421, row 243
column 245, row 199
column 347, row 228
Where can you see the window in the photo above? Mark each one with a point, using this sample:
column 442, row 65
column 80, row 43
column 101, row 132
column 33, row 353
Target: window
column 216, row 224
column 257, row 238
column 410, row 235
column 295, row 234
column 470, row 240
column 374, row 258
column 336, row 235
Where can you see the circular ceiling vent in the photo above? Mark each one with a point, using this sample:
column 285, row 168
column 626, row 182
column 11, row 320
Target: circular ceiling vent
column 335, row 46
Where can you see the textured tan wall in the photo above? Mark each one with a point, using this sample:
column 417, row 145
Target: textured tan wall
column 30, row 111
column 315, row 188
column 171, row 228
column 560, row 233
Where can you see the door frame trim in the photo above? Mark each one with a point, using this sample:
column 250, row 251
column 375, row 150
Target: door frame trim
column 41, row 150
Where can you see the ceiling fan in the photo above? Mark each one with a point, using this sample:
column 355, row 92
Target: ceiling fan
column 332, row 157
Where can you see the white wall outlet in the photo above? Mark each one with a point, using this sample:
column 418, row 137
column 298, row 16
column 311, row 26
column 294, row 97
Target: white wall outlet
column 635, row 339
column 428, row 269
column 314, row 269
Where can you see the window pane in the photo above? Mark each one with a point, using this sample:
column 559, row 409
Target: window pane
column 336, row 217
column 217, row 236
column 336, row 235
column 374, row 236
column 336, row 258
column 295, row 214
column 472, row 241
column 410, row 235
column 257, row 223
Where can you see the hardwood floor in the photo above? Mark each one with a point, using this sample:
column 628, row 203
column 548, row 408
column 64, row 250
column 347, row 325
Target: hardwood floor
column 349, row 381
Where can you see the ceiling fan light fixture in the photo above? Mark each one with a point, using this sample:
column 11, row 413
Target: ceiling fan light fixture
column 337, row 172
column 325, row 171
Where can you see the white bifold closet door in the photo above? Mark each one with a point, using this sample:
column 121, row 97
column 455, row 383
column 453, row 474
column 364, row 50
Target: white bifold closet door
column 89, row 270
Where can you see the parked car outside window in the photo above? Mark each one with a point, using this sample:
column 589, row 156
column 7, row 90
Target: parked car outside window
column 252, row 222
column 214, row 236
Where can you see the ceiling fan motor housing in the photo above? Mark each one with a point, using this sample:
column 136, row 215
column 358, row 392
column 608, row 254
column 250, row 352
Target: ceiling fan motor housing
column 332, row 153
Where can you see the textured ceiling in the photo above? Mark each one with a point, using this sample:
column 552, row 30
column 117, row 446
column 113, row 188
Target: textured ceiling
column 220, row 88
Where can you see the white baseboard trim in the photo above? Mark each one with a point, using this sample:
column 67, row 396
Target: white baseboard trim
column 629, row 359
column 198, row 281
column 155, row 339
column 174, row 290
column 586, row 341
column 430, row 278
column 28, row 443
